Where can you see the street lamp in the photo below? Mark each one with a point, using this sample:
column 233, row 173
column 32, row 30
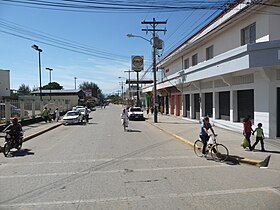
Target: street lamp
column 75, row 78
column 49, row 69
column 154, row 71
column 132, row 36
column 35, row 47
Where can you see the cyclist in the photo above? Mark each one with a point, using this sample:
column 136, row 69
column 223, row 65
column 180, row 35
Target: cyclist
column 124, row 117
column 204, row 134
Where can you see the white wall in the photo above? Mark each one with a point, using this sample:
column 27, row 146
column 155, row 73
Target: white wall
column 229, row 37
column 5, row 83
column 274, row 24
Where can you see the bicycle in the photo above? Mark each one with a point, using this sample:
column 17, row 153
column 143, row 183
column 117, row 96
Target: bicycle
column 124, row 124
column 219, row 152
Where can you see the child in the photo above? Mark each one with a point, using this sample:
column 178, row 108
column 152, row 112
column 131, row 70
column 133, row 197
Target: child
column 259, row 137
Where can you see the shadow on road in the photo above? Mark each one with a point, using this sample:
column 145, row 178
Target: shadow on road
column 21, row 153
column 133, row 130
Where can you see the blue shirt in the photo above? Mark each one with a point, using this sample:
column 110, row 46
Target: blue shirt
column 202, row 131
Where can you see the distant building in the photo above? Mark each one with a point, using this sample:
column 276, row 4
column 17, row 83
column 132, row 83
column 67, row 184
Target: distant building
column 4, row 83
column 71, row 97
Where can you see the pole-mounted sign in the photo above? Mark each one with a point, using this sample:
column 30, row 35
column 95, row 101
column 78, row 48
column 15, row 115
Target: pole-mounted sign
column 137, row 63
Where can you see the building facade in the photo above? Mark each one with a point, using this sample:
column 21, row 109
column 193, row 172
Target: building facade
column 228, row 70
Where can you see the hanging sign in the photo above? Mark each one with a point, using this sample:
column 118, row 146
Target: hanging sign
column 137, row 63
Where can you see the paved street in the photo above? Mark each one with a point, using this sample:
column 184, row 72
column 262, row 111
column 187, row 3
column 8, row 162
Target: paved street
column 99, row 166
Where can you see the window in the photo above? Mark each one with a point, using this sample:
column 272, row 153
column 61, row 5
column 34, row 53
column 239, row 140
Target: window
column 248, row 34
column 194, row 59
column 209, row 52
column 186, row 63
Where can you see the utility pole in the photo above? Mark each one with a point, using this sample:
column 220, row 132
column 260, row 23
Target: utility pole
column 155, row 43
column 129, row 87
column 122, row 83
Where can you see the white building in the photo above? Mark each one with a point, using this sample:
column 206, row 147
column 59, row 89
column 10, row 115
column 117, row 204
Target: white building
column 228, row 70
column 4, row 83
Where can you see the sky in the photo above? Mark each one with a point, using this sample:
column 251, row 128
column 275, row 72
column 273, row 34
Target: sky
column 104, row 50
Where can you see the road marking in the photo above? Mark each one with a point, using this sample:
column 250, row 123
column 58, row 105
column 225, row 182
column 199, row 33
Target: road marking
column 146, row 197
column 98, row 160
column 91, row 171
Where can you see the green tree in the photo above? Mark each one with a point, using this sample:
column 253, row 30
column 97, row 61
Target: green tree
column 24, row 89
column 95, row 90
column 52, row 86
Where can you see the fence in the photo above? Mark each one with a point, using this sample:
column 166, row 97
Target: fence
column 28, row 109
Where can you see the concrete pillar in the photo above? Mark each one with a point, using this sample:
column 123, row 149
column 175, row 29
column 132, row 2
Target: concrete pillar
column 202, row 105
column 21, row 105
column 33, row 108
column 8, row 110
column 234, row 107
column 216, row 112
column 192, row 111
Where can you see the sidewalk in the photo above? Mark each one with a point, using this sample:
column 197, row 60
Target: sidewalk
column 33, row 130
column 187, row 131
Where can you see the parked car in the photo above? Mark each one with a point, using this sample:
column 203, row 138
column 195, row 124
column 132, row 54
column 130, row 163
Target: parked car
column 72, row 117
column 15, row 112
column 135, row 113
column 77, row 107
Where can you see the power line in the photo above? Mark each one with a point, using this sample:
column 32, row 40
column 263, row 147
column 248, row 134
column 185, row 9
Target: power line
column 113, row 6
column 22, row 32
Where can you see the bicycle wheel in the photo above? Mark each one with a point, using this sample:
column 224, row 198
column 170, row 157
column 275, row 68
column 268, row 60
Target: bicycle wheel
column 219, row 152
column 198, row 145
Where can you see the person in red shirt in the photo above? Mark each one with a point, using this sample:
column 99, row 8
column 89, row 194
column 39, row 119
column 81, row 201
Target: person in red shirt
column 247, row 129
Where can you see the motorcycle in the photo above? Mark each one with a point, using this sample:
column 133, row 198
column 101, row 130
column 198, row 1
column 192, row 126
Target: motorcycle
column 12, row 141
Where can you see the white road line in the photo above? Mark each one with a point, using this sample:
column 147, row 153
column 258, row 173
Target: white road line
column 98, row 160
column 91, row 171
column 146, row 197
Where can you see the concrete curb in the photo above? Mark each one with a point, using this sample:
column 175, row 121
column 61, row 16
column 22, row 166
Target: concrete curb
column 41, row 132
column 258, row 163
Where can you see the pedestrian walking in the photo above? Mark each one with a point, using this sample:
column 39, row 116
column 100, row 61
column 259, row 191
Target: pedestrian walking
column 152, row 109
column 259, row 137
column 57, row 115
column 45, row 114
column 247, row 129
column 50, row 115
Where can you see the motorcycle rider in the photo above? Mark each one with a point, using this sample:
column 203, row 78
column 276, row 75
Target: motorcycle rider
column 86, row 114
column 15, row 129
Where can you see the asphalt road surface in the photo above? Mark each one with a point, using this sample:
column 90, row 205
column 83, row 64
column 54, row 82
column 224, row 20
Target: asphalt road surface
column 99, row 166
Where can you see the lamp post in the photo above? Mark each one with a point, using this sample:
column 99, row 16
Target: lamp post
column 35, row 47
column 154, row 71
column 75, row 78
column 49, row 69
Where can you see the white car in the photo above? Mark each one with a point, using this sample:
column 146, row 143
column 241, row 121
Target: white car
column 72, row 117
column 135, row 113
column 82, row 110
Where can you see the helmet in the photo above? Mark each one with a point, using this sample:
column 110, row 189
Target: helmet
column 15, row 120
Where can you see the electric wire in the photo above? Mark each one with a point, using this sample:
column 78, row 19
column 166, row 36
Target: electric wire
column 22, row 32
column 113, row 6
